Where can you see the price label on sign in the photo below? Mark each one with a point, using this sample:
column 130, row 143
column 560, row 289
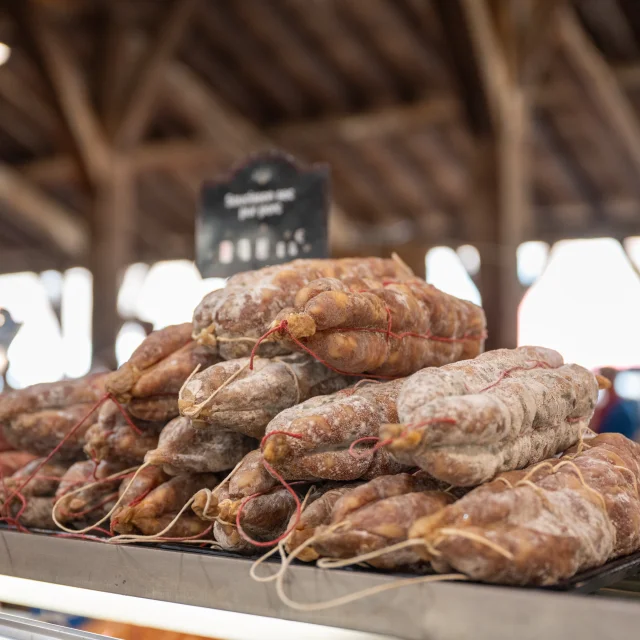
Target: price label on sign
column 270, row 210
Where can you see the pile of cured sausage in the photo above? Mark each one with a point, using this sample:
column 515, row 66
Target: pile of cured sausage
column 341, row 410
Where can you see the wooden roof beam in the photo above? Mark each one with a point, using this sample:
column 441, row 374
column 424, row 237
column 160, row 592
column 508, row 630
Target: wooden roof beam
column 69, row 89
column 628, row 76
column 465, row 65
column 501, row 172
column 184, row 154
column 601, row 86
column 222, row 126
column 42, row 214
column 147, row 81
column 386, row 121
column 115, row 68
column 19, row 95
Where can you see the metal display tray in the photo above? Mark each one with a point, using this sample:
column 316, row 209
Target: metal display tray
column 438, row 611
column 586, row 582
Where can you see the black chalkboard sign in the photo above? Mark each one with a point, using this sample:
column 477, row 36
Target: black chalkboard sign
column 268, row 211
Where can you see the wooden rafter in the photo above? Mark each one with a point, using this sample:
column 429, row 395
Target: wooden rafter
column 601, row 85
column 184, row 154
column 69, row 89
column 42, row 214
column 492, row 61
column 539, row 40
column 293, row 53
column 20, row 96
column 379, row 123
column 222, row 126
column 114, row 69
column 112, row 235
column 502, row 197
column 464, row 65
column 147, row 80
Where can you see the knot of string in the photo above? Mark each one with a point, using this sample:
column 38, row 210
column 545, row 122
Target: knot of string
column 359, row 455
column 387, row 441
column 194, row 411
column 116, row 476
column 281, row 328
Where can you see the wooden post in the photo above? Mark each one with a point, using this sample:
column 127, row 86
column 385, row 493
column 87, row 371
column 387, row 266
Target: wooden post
column 415, row 256
column 112, row 251
column 502, row 188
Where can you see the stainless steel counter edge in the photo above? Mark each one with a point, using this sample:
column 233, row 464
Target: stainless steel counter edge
column 442, row 611
column 18, row 628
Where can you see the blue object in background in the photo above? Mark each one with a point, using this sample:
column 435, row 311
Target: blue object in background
column 622, row 418
column 61, row 619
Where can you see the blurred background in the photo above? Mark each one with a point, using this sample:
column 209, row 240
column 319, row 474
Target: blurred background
column 494, row 144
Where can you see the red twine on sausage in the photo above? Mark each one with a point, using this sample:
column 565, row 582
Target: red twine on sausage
column 285, row 484
column 55, row 450
column 387, row 441
column 125, row 415
column 67, row 437
column 367, row 452
column 537, row 364
column 243, row 504
column 283, row 329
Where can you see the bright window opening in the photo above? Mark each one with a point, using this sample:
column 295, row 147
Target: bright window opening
column 586, row 305
column 447, row 273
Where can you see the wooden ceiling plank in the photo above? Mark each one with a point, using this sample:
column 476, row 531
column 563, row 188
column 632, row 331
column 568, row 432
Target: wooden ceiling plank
column 540, row 41
column 501, row 194
column 465, row 65
column 146, row 82
column 21, row 130
column 69, row 89
column 20, row 96
column 449, row 175
column 216, row 122
column 600, row 84
column 253, row 61
column 43, row 214
column 404, row 181
column 116, row 68
column 631, row 11
column 628, row 76
column 611, row 26
column 389, row 33
column 382, row 122
column 367, row 180
column 344, row 50
column 212, row 66
column 548, row 136
column 292, row 53
column 184, row 154
column 493, row 64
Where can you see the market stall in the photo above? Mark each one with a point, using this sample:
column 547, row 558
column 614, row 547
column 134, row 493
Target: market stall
column 338, row 414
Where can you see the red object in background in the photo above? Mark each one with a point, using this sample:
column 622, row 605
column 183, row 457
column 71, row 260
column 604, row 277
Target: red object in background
column 11, row 461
